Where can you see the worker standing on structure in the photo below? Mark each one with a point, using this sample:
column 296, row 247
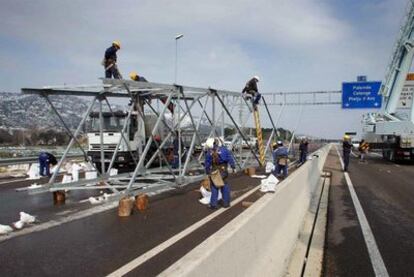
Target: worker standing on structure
column 280, row 159
column 363, row 150
column 217, row 160
column 251, row 91
column 303, row 149
column 45, row 160
column 109, row 62
column 346, row 149
column 135, row 77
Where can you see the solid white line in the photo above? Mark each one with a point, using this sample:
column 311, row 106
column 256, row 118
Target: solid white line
column 374, row 254
column 161, row 247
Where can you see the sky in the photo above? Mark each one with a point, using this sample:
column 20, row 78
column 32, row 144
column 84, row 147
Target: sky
column 293, row 45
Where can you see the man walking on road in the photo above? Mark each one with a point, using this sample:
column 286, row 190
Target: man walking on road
column 346, row 148
column 303, row 149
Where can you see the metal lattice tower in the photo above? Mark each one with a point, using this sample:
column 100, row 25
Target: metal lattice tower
column 400, row 64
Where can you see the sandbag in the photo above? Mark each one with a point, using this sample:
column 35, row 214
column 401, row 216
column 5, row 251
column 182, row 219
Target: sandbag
column 270, row 167
column 206, row 196
column 269, row 184
column 27, row 218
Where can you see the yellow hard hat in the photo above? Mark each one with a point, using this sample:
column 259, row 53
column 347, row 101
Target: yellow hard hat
column 133, row 75
column 346, row 137
column 117, row 44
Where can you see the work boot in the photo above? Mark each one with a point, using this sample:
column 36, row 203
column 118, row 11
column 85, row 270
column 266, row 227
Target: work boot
column 213, row 208
column 226, row 205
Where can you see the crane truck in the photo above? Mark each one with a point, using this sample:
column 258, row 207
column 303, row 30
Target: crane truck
column 387, row 129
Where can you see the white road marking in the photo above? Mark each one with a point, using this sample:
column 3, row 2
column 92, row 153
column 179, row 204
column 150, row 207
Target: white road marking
column 161, row 247
column 374, row 254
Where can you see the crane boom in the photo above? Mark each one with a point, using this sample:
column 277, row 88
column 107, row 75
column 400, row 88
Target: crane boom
column 399, row 66
column 386, row 130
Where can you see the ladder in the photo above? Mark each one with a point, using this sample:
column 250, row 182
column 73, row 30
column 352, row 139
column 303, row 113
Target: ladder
column 259, row 136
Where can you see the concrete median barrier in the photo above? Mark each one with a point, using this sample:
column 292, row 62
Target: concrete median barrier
column 260, row 240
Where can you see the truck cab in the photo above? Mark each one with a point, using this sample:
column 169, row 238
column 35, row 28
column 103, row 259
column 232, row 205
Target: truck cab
column 112, row 126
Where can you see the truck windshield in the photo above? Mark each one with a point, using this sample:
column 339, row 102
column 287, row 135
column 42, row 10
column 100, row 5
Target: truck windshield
column 110, row 123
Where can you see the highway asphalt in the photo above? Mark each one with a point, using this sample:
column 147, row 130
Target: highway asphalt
column 386, row 192
column 101, row 243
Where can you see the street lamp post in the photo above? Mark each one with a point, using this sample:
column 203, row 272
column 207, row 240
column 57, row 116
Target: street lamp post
column 176, row 54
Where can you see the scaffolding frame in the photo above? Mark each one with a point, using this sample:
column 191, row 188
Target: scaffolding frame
column 144, row 178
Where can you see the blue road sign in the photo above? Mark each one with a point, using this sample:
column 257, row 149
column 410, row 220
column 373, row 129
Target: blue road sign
column 361, row 95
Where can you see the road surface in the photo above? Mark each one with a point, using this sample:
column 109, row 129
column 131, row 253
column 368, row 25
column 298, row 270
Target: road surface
column 385, row 191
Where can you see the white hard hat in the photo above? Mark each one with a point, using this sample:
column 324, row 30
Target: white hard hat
column 257, row 78
column 210, row 143
column 279, row 142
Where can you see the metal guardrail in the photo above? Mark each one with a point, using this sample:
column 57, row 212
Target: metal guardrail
column 29, row 160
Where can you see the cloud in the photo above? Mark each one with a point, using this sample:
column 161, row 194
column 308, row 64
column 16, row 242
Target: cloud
column 295, row 45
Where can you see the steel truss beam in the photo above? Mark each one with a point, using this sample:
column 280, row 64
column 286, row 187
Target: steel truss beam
column 193, row 103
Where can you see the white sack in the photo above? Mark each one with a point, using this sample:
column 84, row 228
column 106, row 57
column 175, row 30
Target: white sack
column 269, row 167
column 34, row 171
column 75, row 172
column 269, row 184
column 27, row 218
column 96, row 200
column 5, row 229
column 113, row 172
column 66, row 179
column 90, row 175
column 18, row 225
column 206, row 196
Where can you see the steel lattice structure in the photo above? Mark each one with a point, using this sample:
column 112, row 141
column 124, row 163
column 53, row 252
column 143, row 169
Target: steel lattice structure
column 211, row 105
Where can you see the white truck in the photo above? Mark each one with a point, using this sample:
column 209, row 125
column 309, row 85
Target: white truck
column 388, row 129
column 112, row 126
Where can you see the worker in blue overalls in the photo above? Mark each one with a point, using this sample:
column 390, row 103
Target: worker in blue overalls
column 45, row 160
column 218, row 157
column 280, row 158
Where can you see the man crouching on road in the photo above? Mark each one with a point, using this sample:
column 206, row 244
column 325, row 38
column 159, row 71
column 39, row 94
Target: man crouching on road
column 217, row 159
